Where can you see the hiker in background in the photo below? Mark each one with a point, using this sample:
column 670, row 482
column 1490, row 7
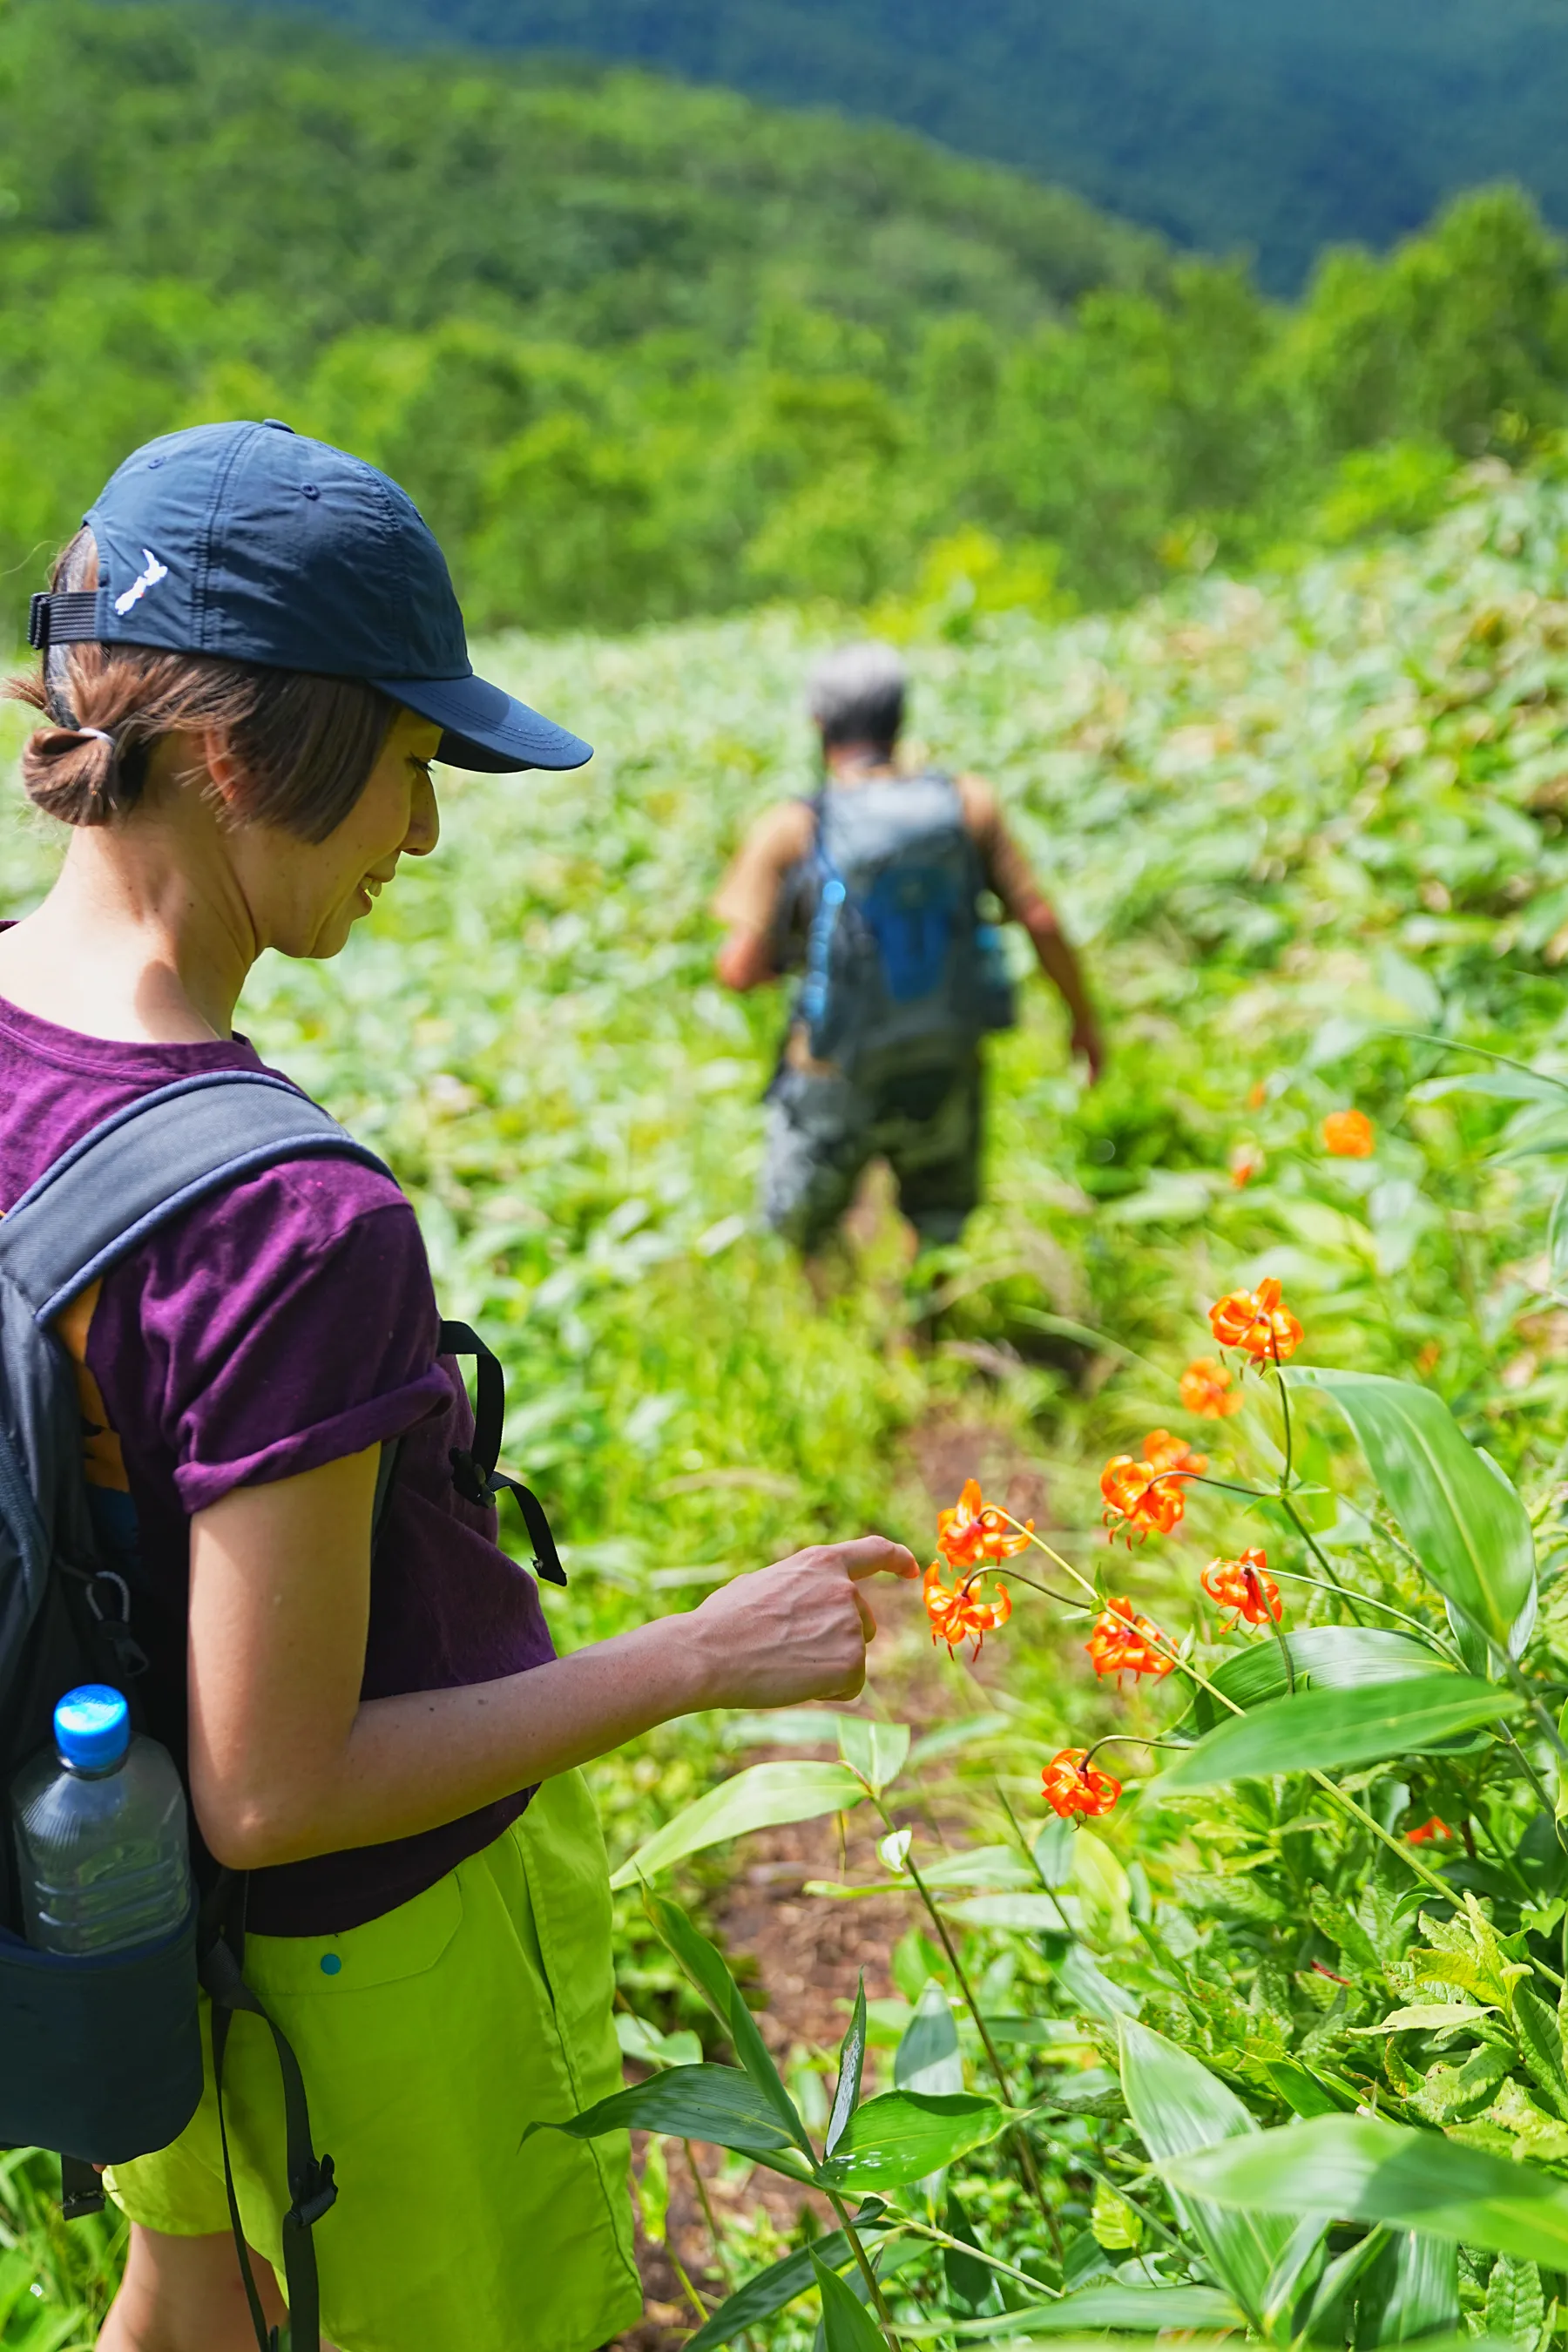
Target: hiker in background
column 872, row 890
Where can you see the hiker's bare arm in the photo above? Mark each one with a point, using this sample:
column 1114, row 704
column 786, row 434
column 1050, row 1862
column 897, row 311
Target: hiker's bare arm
column 1061, row 967
column 288, row 1761
column 744, row 960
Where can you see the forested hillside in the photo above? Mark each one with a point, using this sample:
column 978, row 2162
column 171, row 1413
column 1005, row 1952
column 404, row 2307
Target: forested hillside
column 1227, row 123
column 642, row 351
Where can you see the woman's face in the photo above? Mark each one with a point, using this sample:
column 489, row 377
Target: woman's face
column 306, row 897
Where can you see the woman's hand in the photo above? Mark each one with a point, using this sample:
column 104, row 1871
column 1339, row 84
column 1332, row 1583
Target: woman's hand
column 795, row 1630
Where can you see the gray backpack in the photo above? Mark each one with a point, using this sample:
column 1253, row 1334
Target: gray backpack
column 900, row 972
column 100, row 2057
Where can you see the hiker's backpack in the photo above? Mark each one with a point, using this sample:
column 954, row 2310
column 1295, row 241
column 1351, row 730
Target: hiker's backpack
column 100, row 2056
column 901, row 974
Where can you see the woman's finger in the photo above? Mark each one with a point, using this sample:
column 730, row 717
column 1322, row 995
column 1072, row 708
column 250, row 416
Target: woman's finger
column 876, row 1556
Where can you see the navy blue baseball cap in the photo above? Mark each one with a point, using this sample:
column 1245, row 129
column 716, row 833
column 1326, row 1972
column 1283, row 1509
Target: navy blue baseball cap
column 252, row 541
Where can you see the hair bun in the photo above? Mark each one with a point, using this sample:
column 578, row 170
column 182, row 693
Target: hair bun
column 73, row 774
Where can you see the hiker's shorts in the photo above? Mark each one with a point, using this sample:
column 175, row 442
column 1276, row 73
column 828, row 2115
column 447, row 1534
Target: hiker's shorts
column 429, row 2040
column 822, row 1131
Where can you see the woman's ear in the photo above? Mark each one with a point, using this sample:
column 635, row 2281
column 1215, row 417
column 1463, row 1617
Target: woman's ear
column 210, row 758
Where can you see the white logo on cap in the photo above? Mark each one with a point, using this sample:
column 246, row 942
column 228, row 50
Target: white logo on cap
column 151, row 572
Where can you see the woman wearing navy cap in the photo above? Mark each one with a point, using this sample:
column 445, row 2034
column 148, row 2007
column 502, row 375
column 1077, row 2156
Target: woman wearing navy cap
column 252, row 656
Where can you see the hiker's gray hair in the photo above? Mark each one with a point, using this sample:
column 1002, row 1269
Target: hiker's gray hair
column 857, row 695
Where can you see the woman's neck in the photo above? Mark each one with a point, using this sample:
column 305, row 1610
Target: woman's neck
column 143, row 939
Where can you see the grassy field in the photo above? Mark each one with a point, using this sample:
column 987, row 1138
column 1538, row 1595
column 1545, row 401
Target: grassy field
column 1298, row 826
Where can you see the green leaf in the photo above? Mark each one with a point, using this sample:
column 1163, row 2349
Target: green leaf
column 1177, row 2106
column 950, row 1737
column 852, row 2064
column 717, row 2103
column 643, row 2042
column 927, row 2058
column 1515, row 2305
column 1052, row 1851
column 1417, row 2283
column 1324, row 1730
column 905, row 2134
column 1557, row 1240
column 847, row 2324
column 1330, row 1658
column 780, row 2283
column 876, row 1751
column 1540, row 2040
column 1028, row 1910
column 1361, row 2168
column 762, row 1796
column 1460, row 1516
column 1140, row 2310
column 970, row 2282
column 705, row 1966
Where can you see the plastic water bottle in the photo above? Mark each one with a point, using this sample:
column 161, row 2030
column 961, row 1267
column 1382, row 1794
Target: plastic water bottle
column 102, row 1832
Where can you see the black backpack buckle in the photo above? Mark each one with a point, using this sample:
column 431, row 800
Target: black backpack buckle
column 317, row 2194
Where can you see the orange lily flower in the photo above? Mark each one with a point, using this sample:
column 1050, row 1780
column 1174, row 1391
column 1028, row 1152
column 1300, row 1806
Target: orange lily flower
column 1069, row 1785
column 1349, row 1135
column 960, row 1615
column 1246, row 1161
column 1429, row 1832
column 1121, row 1643
column 1257, row 1322
column 1245, row 1586
column 1165, row 1453
column 1138, row 1499
column 1206, row 1389
column 975, row 1530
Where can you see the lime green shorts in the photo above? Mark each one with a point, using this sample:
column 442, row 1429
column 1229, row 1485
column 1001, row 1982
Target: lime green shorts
column 443, row 2031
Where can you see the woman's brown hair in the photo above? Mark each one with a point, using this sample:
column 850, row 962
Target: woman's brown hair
column 304, row 746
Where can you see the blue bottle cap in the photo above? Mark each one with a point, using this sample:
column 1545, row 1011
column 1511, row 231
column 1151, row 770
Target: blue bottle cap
column 92, row 1727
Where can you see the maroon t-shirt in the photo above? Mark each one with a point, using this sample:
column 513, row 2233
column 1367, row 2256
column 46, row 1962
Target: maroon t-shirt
column 285, row 1323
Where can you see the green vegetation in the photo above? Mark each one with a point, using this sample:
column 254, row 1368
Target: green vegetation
column 1226, row 123
column 643, row 351
column 1303, row 827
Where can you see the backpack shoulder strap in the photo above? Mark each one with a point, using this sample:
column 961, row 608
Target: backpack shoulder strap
column 148, row 1164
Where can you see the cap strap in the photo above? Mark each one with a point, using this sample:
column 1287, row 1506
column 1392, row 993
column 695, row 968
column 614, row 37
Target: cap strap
column 64, row 617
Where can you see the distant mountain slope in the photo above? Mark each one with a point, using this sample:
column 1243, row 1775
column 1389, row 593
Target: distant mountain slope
column 284, row 162
column 1221, row 123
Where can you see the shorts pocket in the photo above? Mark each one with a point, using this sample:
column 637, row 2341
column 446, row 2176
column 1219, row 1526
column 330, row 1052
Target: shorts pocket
column 400, row 1943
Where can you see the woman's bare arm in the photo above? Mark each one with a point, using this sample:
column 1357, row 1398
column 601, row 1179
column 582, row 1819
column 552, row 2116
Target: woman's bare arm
column 287, row 1762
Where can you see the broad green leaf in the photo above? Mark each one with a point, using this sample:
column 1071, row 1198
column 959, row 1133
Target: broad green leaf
column 981, row 1865
column 970, row 2282
column 762, row 1796
column 927, row 2058
column 1541, row 2039
column 905, row 2134
column 1052, row 1851
column 1325, row 1730
column 1506, row 1085
column 1091, row 1991
column 705, row 1966
column 1327, row 1657
column 645, row 2042
column 1027, row 1910
column 717, row 2103
column 1178, row 2106
column 1460, row 1516
column 1427, row 2017
column 950, row 1737
column 781, row 2282
column 847, row 2324
column 1104, row 1888
column 877, row 1751
column 1361, row 2168
column 852, row 2064
column 1515, row 2305
column 1140, row 2310
column 1417, row 2286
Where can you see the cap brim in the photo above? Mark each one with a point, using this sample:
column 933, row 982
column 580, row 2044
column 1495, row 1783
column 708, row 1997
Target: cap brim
column 483, row 728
